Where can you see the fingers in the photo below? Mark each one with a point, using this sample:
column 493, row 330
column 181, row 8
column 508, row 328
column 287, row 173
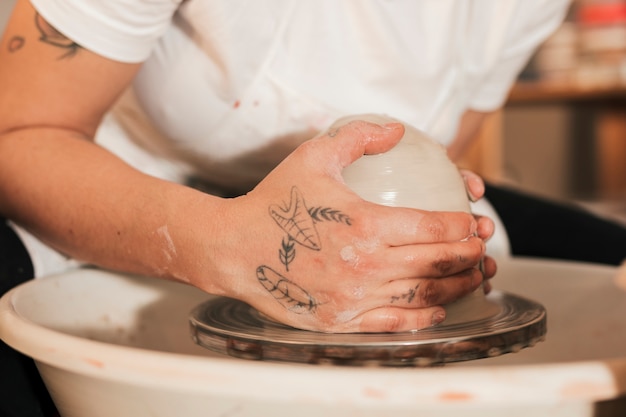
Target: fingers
column 417, row 304
column 393, row 319
column 421, row 293
column 489, row 271
column 473, row 184
column 414, row 304
column 397, row 226
column 485, row 227
column 432, row 260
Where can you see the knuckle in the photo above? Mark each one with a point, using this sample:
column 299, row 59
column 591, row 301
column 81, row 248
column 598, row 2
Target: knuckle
column 428, row 294
column 443, row 265
column 434, row 226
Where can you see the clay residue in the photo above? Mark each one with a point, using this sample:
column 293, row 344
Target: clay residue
column 456, row 396
column 170, row 250
column 367, row 246
column 94, row 362
column 349, row 255
column 358, row 292
column 585, row 389
column 371, row 392
column 346, row 316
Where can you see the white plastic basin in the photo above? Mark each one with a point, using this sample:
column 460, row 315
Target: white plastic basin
column 116, row 346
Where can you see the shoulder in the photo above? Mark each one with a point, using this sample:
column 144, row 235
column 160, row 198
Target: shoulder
column 123, row 30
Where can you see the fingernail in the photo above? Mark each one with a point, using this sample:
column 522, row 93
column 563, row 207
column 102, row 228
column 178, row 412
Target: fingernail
column 438, row 317
column 392, row 125
column 470, row 196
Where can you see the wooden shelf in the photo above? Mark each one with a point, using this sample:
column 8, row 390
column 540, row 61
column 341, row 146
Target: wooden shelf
column 598, row 115
column 528, row 92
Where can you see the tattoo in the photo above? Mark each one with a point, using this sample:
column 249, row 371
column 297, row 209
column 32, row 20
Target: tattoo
column 296, row 221
column 408, row 296
column 16, row 43
column 287, row 252
column 326, row 213
column 299, row 224
column 53, row 37
column 290, row 295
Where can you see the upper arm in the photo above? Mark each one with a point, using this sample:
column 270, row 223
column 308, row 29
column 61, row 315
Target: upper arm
column 47, row 80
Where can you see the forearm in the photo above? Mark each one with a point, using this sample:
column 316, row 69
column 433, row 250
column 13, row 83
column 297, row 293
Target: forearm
column 87, row 203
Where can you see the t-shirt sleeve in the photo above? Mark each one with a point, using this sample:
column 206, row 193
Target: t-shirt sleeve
column 122, row 30
column 529, row 26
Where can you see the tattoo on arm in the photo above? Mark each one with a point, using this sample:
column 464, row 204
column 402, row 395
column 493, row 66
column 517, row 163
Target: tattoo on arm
column 299, row 224
column 53, row 37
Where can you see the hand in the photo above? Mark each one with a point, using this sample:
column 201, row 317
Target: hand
column 316, row 256
column 473, row 184
column 475, row 191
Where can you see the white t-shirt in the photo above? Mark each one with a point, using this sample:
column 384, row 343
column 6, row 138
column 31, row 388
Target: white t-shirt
column 230, row 87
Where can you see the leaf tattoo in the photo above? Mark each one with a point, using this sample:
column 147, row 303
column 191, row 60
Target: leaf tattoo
column 329, row 214
column 287, row 252
column 290, row 295
column 296, row 221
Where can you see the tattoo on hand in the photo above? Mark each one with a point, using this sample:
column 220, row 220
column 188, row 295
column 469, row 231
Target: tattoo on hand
column 299, row 224
column 290, row 295
column 287, row 251
column 53, row 37
column 328, row 214
column 408, row 296
column 296, row 221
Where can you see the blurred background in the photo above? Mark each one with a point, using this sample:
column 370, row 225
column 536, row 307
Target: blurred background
column 5, row 8
column 562, row 133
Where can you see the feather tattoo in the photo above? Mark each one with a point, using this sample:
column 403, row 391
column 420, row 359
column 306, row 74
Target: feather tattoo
column 329, row 214
column 290, row 295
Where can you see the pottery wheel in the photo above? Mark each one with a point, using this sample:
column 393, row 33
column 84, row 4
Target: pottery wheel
column 231, row 327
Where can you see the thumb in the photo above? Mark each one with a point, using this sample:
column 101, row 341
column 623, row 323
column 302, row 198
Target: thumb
column 351, row 139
